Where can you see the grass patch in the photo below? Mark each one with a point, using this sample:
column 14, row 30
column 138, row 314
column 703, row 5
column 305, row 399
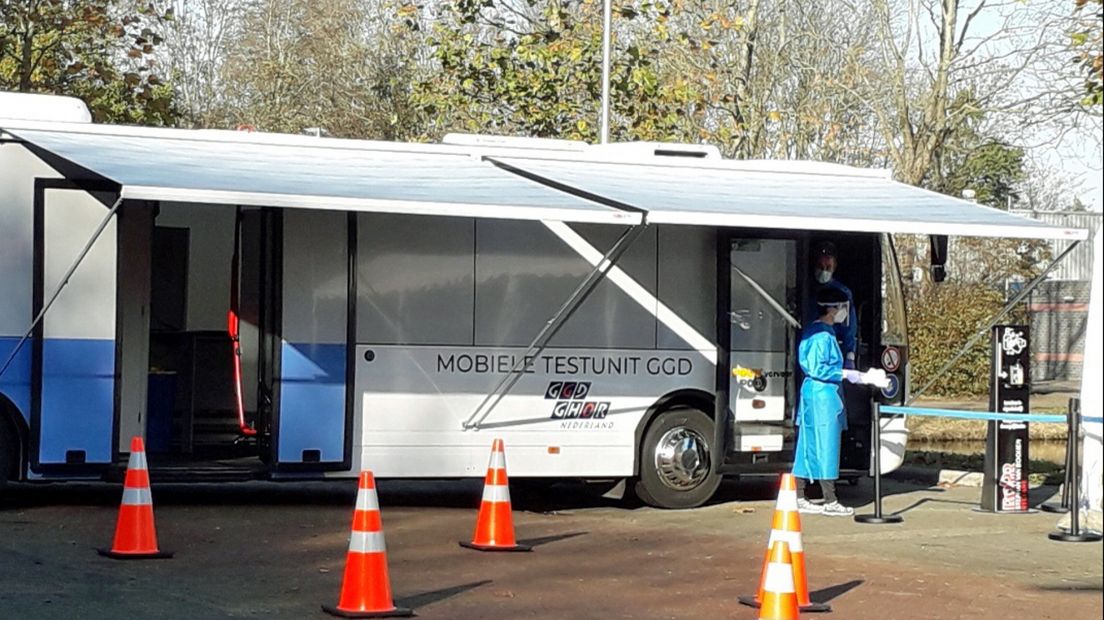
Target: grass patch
column 923, row 428
column 1040, row 472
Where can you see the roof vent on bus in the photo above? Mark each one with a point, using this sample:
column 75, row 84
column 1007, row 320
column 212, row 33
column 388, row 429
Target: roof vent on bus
column 512, row 142
column 661, row 149
column 33, row 107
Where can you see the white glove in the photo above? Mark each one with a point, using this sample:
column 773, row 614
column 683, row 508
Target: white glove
column 853, row 376
column 876, row 377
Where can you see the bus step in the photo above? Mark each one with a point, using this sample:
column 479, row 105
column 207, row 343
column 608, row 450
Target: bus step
column 205, row 474
column 194, row 473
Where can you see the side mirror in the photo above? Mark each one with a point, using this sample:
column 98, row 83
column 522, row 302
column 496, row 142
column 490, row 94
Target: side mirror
column 938, row 257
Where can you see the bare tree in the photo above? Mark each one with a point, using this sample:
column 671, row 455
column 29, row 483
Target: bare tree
column 343, row 66
column 937, row 63
column 195, row 50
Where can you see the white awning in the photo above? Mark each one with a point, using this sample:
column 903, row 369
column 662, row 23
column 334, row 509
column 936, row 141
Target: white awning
column 592, row 185
column 778, row 195
column 239, row 168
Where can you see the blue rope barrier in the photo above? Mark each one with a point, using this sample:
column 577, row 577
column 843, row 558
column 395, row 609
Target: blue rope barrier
column 1093, row 420
column 977, row 415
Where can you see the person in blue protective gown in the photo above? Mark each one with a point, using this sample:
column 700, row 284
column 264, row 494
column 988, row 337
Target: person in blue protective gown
column 820, row 415
column 824, row 272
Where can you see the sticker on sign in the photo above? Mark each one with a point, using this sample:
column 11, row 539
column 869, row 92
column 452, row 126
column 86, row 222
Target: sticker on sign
column 891, row 359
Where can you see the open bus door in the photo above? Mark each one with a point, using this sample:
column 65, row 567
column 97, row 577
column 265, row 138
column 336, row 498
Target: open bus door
column 763, row 276
column 73, row 350
column 309, row 323
column 765, row 290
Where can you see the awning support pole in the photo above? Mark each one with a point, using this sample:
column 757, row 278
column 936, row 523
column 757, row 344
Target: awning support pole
column 553, row 325
column 64, row 281
column 984, row 331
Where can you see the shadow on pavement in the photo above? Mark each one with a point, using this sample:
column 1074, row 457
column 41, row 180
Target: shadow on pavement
column 1081, row 587
column 831, row 593
column 428, row 598
column 544, row 540
column 934, row 500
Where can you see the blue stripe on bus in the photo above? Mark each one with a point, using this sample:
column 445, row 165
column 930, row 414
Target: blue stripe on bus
column 78, row 391
column 15, row 383
column 312, row 401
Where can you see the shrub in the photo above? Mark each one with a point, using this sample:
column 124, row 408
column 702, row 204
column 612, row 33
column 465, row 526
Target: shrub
column 941, row 319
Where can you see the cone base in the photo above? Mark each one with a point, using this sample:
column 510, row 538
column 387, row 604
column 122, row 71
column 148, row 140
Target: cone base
column 1054, row 508
column 149, row 555
column 396, row 612
column 811, row 608
column 471, row 545
column 876, row 520
column 1067, row 537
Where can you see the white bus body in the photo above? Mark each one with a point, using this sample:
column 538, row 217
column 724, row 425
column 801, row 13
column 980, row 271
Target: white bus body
column 378, row 336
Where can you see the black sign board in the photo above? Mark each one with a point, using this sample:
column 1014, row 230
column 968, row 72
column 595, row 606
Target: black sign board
column 1006, row 452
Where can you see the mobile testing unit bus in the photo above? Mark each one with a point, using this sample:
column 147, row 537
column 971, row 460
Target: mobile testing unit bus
column 619, row 312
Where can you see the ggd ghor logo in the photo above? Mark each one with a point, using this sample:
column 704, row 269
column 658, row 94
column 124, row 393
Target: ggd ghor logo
column 570, row 397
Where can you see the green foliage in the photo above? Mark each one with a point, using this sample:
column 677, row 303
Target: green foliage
column 969, row 158
column 102, row 51
column 992, row 170
column 536, row 71
column 941, row 320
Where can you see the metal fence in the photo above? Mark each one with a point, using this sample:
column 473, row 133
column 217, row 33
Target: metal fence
column 1060, row 306
column 1078, row 265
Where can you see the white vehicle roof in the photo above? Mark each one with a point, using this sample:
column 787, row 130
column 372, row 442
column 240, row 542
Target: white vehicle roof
column 500, row 178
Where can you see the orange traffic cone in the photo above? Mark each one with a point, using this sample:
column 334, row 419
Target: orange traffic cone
column 366, row 587
column 494, row 528
column 786, row 527
column 779, row 598
column 135, row 535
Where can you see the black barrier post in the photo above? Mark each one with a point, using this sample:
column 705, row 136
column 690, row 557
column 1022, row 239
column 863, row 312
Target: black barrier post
column 1067, row 481
column 1005, row 483
column 1075, row 534
column 876, row 441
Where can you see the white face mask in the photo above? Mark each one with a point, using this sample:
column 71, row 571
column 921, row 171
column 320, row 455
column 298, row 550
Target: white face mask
column 841, row 315
column 823, row 276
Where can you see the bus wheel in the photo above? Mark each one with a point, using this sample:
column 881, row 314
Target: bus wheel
column 9, row 450
column 675, row 466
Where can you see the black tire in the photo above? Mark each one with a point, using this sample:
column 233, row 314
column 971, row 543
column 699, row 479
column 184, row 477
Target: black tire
column 688, row 479
column 9, row 450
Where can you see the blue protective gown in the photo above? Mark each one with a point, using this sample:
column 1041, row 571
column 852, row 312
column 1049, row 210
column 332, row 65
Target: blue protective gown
column 820, row 413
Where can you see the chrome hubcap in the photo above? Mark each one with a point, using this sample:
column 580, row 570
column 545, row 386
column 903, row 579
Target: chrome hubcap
column 682, row 458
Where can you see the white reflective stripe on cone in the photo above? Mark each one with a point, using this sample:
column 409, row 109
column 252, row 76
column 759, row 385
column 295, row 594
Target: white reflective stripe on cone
column 367, row 500
column 793, row 539
column 779, row 578
column 498, row 460
column 496, row 493
column 787, row 500
column 137, row 460
column 367, row 542
column 137, row 496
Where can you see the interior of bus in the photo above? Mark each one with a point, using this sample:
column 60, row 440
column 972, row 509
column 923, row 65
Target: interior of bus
column 207, row 344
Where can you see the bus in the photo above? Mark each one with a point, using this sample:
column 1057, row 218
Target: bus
column 289, row 307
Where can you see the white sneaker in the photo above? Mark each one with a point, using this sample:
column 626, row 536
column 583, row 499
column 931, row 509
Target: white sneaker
column 804, row 506
column 836, row 509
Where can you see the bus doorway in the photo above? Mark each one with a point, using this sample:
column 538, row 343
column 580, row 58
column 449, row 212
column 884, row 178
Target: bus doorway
column 212, row 307
column 770, row 287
